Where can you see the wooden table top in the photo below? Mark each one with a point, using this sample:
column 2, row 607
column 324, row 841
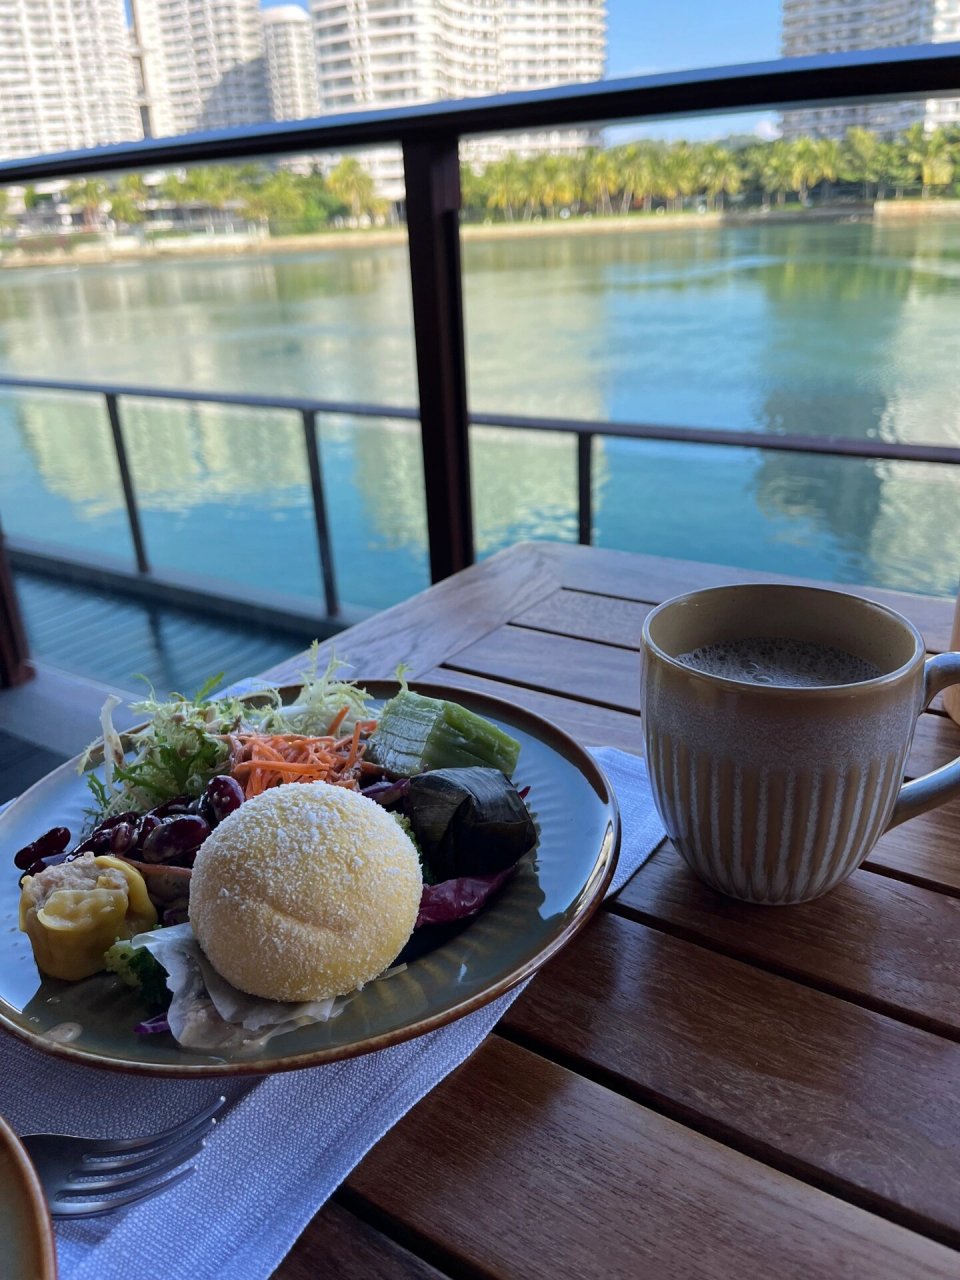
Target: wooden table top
column 695, row 1086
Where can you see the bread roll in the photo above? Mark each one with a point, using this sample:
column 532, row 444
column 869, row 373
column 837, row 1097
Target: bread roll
column 306, row 891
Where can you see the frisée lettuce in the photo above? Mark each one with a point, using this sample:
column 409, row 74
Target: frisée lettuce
column 186, row 740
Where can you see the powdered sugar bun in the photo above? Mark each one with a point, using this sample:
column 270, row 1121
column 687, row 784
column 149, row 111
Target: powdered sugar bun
column 306, row 891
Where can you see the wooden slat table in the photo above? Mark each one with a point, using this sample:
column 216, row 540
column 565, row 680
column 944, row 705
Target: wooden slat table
column 695, row 1087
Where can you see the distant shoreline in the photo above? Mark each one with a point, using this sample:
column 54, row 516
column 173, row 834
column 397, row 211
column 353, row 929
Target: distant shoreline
column 130, row 249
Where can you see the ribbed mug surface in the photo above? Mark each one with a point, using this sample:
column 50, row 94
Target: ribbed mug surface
column 776, row 794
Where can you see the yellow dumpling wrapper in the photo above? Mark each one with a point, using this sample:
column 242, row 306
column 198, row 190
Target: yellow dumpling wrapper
column 74, row 912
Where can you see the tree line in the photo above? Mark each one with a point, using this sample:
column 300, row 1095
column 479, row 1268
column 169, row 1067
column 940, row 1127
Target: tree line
column 274, row 198
column 643, row 175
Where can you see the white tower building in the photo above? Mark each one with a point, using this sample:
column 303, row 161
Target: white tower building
column 66, row 76
column 389, row 53
column 203, row 63
column 839, row 26
column 290, row 62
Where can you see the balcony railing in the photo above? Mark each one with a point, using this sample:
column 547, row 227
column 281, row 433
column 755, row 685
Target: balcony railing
column 188, row 589
column 430, row 135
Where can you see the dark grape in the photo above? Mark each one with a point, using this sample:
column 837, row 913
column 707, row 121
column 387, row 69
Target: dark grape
column 51, row 842
column 175, row 838
column 224, row 794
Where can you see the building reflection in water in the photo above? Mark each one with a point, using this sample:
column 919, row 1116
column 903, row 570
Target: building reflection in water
column 818, row 330
column 888, row 520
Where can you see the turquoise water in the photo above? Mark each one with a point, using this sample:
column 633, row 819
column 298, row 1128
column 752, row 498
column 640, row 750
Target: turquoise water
column 829, row 329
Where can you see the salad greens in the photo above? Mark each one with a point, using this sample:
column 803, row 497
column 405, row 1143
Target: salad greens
column 319, row 700
column 184, row 745
column 137, row 968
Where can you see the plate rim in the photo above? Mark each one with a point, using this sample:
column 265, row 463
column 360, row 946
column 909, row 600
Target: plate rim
column 590, row 898
column 38, row 1211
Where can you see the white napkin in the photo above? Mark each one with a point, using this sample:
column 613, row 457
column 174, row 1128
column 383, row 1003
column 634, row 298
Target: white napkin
column 285, row 1146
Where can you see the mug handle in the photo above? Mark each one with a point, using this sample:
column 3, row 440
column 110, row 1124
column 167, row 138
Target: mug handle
column 943, row 784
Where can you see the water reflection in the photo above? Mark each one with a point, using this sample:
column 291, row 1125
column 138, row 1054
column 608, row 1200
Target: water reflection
column 842, row 329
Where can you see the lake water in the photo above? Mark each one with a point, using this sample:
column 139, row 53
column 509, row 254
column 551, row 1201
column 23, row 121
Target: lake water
column 822, row 329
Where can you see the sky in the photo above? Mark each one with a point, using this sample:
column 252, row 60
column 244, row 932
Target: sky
column 646, row 36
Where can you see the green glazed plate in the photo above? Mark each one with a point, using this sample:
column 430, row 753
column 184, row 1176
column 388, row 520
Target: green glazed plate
column 548, row 900
column 26, row 1234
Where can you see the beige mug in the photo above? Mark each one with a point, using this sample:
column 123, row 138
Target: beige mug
column 776, row 793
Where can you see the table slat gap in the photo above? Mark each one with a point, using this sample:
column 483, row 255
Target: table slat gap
column 812, row 1085
column 906, row 876
column 572, row 635
column 339, row 1242
column 895, row 944
column 443, row 1259
column 664, row 1179
column 538, row 688
column 648, row 602
column 755, row 1148
column 603, row 569
column 849, row 994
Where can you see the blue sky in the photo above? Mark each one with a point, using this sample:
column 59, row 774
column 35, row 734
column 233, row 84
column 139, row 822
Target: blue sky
column 644, row 36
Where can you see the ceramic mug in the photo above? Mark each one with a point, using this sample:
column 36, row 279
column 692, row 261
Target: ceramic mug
column 775, row 793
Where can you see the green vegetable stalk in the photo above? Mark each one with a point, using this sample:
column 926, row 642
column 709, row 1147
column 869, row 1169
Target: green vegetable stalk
column 416, row 733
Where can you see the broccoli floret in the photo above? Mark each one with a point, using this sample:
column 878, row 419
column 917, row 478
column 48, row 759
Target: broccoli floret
column 137, row 968
column 407, row 825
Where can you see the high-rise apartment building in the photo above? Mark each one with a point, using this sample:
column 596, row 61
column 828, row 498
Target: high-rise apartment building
column 203, row 63
column 389, row 53
column 838, row 26
column 291, row 63
column 66, row 76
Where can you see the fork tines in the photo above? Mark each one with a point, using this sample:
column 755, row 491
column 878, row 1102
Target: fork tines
column 83, row 1177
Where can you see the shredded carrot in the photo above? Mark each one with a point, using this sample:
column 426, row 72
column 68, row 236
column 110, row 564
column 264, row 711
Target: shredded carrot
column 262, row 760
column 338, row 720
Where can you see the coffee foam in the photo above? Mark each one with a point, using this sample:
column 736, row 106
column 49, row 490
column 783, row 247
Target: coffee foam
column 786, row 663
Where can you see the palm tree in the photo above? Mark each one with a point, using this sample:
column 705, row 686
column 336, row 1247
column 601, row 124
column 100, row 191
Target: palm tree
column 862, row 159
column 280, row 198
column 202, row 186
column 602, row 179
column 894, row 168
column 89, row 197
column 778, row 170
column 679, row 174
column 506, row 188
column 805, row 171
column 127, row 199
column 929, row 153
column 553, row 183
column 722, row 174
column 829, row 155
column 637, row 164
column 473, row 187
column 351, row 183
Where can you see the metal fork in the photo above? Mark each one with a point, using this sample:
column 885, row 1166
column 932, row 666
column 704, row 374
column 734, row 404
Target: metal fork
column 86, row 1176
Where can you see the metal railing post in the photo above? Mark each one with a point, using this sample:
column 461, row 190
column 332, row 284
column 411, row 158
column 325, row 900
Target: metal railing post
column 324, row 547
column 585, row 488
column 126, row 480
column 13, row 637
column 431, row 167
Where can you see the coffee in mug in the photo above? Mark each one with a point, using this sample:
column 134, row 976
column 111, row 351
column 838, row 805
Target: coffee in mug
column 777, row 720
